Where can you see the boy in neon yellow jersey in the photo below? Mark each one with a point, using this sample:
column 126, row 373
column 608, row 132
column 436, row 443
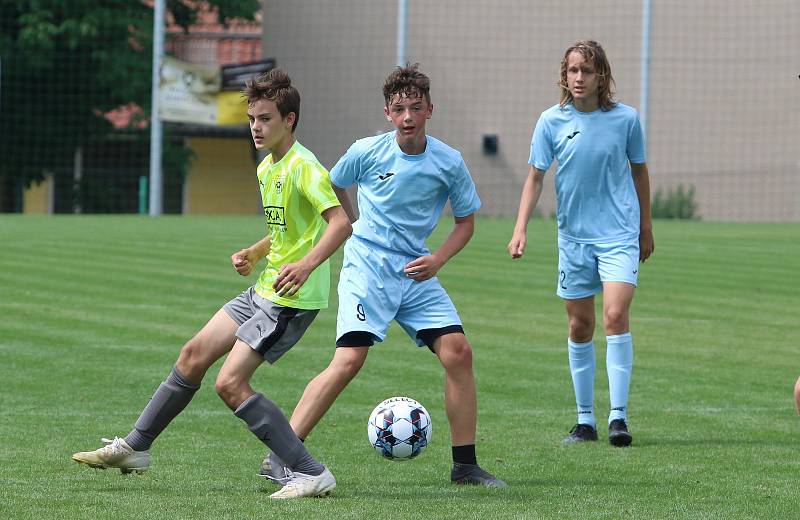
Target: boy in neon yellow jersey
column 267, row 319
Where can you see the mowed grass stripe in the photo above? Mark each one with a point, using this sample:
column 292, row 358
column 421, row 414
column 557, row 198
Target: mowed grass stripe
column 89, row 332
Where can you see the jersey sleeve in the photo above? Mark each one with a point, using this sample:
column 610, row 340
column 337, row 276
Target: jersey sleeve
column 636, row 148
column 315, row 185
column 346, row 171
column 542, row 151
column 463, row 195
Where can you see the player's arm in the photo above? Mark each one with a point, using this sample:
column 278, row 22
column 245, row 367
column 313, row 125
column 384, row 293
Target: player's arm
column 641, row 181
column 245, row 260
column 344, row 200
column 292, row 276
column 426, row 267
column 531, row 191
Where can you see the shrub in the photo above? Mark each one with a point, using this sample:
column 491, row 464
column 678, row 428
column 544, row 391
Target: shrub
column 677, row 203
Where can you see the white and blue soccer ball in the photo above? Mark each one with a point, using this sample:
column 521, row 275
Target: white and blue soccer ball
column 399, row 428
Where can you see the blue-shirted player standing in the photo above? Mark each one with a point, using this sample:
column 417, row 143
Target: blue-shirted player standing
column 604, row 224
column 404, row 179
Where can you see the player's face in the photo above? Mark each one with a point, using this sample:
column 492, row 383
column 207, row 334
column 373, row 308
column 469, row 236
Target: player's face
column 582, row 82
column 267, row 126
column 409, row 115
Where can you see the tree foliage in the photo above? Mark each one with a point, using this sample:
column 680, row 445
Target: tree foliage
column 64, row 63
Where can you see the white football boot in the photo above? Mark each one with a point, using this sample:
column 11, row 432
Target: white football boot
column 303, row 485
column 115, row 454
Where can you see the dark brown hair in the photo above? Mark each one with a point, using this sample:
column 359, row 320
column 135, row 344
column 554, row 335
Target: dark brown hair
column 407, row 81
column 274, row 85
column 594, row 54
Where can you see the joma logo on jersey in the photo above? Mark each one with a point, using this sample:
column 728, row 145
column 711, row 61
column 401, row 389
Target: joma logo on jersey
column 275, row 215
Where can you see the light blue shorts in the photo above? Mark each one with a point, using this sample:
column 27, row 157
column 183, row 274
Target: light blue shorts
column 582, row 268
column 374, row 290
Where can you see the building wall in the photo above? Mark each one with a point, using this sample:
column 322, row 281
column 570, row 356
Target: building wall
column 222, row 178
column 38, row 197
column 723, row 95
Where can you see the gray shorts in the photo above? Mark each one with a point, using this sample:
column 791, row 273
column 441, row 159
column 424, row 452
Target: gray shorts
column 270, row 329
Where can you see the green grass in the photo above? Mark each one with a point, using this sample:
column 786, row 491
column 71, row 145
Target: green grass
column 93, row 311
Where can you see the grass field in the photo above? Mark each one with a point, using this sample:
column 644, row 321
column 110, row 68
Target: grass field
column 93, row 311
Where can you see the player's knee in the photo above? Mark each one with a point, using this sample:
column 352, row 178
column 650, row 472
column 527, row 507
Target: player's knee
column 191, row 358
column 581, row 328
column 456, row 354
column 615, row 320
column 228, row 388
column 347, row 366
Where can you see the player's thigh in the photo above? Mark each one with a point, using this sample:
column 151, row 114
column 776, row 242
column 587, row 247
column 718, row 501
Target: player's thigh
column 274, row 329
column 618, row 262
column 349, row 359
column 369, row 291
column 617, row 298
column 427, row 311
column 578, row 276
column 239, row 366
column 214, row 340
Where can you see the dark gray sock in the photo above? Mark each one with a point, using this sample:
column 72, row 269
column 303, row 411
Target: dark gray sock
column 268, row 423
column 170, row 399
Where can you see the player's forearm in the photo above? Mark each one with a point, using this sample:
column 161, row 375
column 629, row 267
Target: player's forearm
column 261, row 248
column 337, row 231
column 461, row 234
column 641, row 181
column 531, row 191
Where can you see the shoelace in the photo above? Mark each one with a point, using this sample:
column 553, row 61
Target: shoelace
column 297, row 478
column 580, row 429
column 113, row 446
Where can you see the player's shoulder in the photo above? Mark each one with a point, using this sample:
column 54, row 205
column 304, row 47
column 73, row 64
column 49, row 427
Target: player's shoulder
column 623, row 110
column 554, row 112
column 372, row 143
column 443, row 151
column 301, row 158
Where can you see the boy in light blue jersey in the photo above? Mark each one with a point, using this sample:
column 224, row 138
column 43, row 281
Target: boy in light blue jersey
column 604, row 224
column 404, row 179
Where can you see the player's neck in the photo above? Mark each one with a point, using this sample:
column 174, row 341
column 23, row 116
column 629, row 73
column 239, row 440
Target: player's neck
column 282, row 148
column 413, row 146
column 586, row 105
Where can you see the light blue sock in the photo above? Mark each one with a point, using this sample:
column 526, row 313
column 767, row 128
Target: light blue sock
column 619, row 363
column 582, row 365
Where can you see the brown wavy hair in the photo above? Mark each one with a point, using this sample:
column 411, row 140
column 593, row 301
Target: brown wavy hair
column 593, row 53
column 407, row 81
column 274, row 85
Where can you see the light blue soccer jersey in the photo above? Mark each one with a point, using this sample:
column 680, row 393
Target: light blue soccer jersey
column 401, row 197
column 595, row 195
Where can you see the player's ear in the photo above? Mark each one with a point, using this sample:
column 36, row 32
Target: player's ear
column 386, row 113
column 290, row 118
column 430, row 110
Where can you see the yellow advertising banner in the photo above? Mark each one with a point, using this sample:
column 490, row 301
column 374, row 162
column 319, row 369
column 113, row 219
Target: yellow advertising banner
column 231, row 108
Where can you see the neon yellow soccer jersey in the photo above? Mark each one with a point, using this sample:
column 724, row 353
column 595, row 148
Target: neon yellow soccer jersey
column 295, row 192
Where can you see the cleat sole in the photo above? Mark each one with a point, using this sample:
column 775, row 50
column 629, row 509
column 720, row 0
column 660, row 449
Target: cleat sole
column 620, row 441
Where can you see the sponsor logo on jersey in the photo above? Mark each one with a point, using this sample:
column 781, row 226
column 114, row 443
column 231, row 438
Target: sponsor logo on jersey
column 275, row 215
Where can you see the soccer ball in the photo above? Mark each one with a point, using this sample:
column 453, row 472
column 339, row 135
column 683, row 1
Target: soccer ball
column 399, row 428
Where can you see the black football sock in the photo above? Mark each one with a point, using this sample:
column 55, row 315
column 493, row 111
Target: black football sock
column 465, row 454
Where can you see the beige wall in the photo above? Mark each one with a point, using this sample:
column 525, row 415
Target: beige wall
column 724, row 93
column 222, row 178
